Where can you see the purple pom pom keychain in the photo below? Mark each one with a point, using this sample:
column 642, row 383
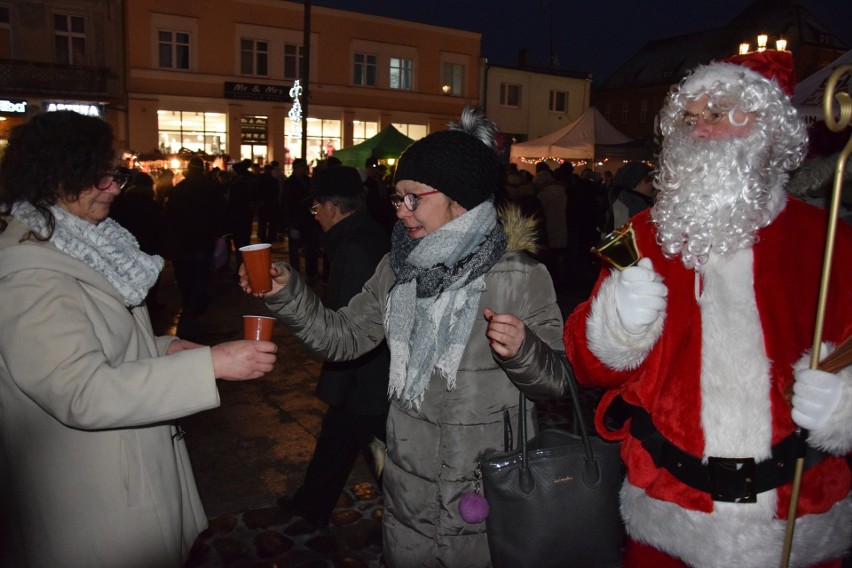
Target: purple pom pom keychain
column 473, row 507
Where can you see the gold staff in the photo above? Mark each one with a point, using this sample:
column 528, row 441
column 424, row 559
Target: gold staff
column 844, row 102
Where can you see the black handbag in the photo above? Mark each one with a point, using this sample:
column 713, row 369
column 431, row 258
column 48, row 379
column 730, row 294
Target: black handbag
column 554, row 500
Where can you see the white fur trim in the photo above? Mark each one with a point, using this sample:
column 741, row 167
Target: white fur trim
column 707, row 77
column 608, row 339
column 745, row 535
column 835, row 436
column 736, row 413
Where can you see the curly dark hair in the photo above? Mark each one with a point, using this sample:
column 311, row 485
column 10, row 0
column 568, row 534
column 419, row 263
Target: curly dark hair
column 53, row 155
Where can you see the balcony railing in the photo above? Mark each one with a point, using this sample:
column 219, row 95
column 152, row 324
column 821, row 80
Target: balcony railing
column 33, row 77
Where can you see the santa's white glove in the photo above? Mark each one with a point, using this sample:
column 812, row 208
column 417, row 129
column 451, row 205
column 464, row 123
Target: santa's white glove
column 640, row 297
column 816, row 395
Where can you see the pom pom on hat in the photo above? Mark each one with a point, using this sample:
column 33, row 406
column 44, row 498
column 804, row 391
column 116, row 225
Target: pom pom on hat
column 460, row 163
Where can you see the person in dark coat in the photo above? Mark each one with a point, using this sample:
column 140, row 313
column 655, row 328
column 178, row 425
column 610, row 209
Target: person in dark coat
column 303, row 230
column 194, row 219
column 355, row 391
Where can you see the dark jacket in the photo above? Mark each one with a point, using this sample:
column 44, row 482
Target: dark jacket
column 355, row 246
column 194, row 214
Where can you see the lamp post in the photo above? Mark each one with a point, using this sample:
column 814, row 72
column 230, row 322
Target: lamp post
column 762, row 42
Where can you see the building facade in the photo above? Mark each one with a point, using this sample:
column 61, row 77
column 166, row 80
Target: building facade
column 219, row 77
column 58, row 54
column 632, row 96
column 527, row 102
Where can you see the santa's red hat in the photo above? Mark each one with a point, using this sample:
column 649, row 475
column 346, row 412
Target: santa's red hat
column 772, row 65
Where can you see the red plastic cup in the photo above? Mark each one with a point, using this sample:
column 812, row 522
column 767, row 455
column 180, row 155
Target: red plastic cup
column 258, row 328
column 258, row 261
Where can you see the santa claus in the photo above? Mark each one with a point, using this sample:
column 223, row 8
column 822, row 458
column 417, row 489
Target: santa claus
column 704, row 339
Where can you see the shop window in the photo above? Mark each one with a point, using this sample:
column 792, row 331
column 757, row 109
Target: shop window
column 323, row 138
column 363, row 130
column 413, row 131
column 193, row 131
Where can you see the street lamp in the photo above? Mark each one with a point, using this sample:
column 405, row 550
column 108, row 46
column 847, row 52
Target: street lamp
column 762, row 41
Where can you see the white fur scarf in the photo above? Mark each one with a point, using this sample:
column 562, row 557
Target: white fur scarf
column 107, row 247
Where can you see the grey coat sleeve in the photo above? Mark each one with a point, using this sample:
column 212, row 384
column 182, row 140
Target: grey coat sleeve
column 334, row 335
column 540, row 368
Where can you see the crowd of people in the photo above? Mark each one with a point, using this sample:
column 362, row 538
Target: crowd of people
column 441, row 307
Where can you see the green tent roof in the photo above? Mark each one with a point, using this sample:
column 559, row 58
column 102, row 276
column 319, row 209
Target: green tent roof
column 387, row 144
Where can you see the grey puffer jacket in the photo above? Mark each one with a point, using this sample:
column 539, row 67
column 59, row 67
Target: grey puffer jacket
column 432, row 454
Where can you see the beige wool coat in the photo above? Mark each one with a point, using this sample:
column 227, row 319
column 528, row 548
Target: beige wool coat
column 91, row 472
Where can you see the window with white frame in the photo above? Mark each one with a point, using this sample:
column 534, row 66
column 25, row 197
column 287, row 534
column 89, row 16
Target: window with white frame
column 643, row 111
column 625, row 112
column 69, row 39
column 293, row 58
column 254, row 57
column 558, row 101
column 400, row 73
column 5, row 33
column 453, row 77
column 510, row 95
column 173, row 49
column 197, row 131
column 413, row 131
column 364, row 69
column 363, row 129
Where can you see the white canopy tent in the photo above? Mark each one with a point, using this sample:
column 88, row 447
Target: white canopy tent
column 810, row 91
column 590, row 137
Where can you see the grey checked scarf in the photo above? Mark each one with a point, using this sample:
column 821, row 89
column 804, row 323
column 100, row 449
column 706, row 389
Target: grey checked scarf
column 107, row 247
column 433, row 305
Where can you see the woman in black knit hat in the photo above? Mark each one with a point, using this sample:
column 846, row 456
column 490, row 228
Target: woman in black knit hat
column 470, row 319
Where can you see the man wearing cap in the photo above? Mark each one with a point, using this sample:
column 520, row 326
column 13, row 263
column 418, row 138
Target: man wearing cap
column 707, row 336
column 355, row 391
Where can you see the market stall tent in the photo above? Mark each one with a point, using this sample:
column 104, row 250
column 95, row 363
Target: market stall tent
column 590, row 137
column 387, row 144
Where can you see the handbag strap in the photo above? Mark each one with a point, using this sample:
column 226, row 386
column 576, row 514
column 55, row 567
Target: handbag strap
column 579, row 423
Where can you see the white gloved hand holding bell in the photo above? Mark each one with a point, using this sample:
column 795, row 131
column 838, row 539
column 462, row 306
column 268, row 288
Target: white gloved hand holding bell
column 640, row 297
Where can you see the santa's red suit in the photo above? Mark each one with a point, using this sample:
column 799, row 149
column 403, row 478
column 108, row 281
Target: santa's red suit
column 713, row 374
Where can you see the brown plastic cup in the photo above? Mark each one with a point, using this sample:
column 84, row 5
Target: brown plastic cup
column 258, row 328
column 258, row 261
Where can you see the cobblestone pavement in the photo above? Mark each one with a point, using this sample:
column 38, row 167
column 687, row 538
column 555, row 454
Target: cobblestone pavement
column 256, row 445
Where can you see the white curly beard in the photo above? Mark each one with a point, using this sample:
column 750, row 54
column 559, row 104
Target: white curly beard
column 714, row 195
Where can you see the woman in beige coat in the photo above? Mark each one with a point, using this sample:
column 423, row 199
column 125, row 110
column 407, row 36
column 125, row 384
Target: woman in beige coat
column 93, row 471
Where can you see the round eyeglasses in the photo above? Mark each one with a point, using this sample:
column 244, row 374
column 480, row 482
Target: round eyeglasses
column 410, row 199
column 709, row 116
column 118, row 177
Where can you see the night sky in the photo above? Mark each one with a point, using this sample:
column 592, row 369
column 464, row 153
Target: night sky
column 588, row 36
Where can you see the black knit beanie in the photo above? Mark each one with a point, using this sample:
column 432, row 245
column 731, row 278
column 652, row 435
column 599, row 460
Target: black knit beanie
column 454, row 162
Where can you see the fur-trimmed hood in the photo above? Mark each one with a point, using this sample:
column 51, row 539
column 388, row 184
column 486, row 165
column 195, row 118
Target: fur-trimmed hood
column 521, row 231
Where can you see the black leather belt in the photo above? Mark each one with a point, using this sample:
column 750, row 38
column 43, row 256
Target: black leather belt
column 734, row 480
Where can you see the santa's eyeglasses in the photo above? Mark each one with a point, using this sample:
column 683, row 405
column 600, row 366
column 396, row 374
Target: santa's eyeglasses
column 708, row 115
